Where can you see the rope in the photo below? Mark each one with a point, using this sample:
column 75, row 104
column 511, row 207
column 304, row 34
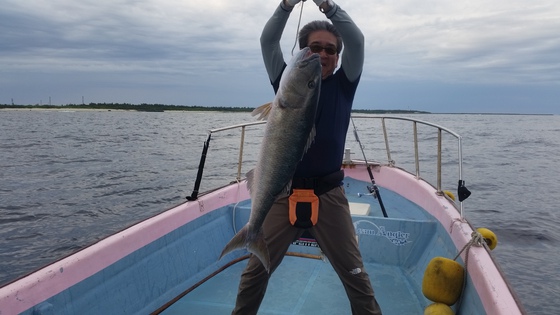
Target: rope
column 234, row 210
column 297, row 30
column 476, row 240
column 456, row 220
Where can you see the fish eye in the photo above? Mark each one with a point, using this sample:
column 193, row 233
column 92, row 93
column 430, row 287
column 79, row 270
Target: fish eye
column 311, row 84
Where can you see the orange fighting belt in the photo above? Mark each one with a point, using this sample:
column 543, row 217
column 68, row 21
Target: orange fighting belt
column 303, row 208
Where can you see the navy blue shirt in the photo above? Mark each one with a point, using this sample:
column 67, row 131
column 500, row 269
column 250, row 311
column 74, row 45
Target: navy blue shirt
column 325, row 155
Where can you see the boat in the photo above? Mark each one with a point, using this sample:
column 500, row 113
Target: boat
column 411, row 232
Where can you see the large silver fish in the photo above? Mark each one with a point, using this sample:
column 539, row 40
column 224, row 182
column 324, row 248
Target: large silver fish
column 289, row 132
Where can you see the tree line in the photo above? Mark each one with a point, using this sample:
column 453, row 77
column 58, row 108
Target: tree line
column 161, row 107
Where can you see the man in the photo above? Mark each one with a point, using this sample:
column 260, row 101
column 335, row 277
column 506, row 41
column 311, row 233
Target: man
column 320, row 167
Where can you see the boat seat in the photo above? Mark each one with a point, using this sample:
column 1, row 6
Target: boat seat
column 358, row 208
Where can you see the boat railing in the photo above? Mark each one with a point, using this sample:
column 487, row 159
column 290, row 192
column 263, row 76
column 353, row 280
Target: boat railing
column 462, row 191
column 368, row 124
column 243, row 127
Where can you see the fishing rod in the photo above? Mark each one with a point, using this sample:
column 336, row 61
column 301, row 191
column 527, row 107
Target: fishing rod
column 373, row 188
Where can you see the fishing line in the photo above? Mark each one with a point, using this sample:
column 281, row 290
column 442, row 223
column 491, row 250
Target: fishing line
column 373, row 188
column 298, row 24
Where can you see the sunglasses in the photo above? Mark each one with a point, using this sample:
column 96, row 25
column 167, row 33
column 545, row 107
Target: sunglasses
column 315, row 48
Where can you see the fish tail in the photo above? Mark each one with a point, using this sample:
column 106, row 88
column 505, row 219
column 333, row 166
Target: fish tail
column 253, row 243
column 259, row 248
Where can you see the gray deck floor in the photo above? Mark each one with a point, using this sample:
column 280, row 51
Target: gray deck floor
column 300, row 286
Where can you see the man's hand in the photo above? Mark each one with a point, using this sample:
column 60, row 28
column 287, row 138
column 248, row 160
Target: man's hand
column 324, row 5
column 291, row 3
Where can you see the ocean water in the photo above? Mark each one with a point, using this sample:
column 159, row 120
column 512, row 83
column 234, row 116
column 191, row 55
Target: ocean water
column 70, row 178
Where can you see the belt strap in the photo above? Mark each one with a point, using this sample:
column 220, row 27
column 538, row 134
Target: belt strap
column 320, row 185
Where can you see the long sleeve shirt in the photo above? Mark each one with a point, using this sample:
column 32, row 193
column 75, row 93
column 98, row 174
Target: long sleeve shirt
column 337, row 91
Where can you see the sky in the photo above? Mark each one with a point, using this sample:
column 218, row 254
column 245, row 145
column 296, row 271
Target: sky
column 440, row 56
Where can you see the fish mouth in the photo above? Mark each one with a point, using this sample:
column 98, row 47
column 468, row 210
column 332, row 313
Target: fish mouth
column 307, row 57
column 308, row 54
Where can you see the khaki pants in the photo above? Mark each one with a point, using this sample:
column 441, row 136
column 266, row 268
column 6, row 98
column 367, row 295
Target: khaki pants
column 335, row 235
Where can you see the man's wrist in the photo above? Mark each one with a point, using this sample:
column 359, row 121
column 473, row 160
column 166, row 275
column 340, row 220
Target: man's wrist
column 286, row 6
column 324, row 5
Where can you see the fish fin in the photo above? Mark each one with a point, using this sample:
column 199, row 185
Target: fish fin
column 310, row 139
column 262, row 111
column 256, row 245
column 238, row 241
column 250, row 175
column 259, row 248
column 288, row 187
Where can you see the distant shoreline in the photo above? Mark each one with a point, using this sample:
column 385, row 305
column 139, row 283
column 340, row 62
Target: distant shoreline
column 124, row 107
column 167, row 108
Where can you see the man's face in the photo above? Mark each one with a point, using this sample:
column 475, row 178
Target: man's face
column 324, row 42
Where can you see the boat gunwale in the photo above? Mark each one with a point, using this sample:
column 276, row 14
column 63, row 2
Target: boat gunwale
column 488, row 278
column 50, row 280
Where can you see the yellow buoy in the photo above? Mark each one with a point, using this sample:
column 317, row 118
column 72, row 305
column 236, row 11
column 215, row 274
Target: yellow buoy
column 489, row 237
column 438, row 309
column 449, row 194
column 443, row 280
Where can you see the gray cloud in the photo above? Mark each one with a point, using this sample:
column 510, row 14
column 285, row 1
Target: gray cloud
column 206, row 53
